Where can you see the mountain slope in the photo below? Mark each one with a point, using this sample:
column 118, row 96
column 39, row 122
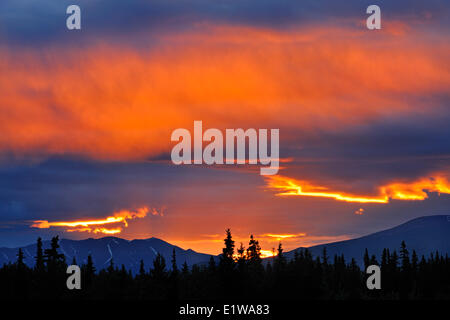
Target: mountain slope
column 424, row 234
column 128, row 253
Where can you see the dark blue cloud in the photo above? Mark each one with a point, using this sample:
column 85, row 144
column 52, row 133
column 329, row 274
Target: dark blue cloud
column 404, row 148
column 29, row 22
column 62, row 188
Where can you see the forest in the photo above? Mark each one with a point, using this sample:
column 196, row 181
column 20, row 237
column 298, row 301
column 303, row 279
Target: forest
column 240, row 273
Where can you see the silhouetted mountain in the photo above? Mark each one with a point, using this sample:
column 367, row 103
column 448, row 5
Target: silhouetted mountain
column 128, row 253
column 424, row 234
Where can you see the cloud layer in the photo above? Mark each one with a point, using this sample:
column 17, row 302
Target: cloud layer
column 87, row 116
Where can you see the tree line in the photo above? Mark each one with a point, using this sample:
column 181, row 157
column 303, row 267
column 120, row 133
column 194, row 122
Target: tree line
column 240, row 273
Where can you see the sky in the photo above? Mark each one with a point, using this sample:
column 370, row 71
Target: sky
column 86, row 118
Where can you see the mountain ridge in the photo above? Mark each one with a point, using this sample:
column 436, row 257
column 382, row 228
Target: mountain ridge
column 434, row 236
column 423, row 234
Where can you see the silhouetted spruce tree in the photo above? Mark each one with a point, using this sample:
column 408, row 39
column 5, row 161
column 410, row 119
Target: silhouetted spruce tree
column 173, row 291
column 90, row 265
column 405, row 276
column 353, row 280
column 185, row 269
column 280, row 260
column 279, row 273
column 414, row 261
column 39, row 268
column 394, row 261
column 39, row 265
column 384, row 260
column 324, row 256
column 20, row 280
column 159, row 285
column 226, row 262
column 55, row 269
column 241, row 263
column 174, row 264
column 141, row 268
column 88, row 271
column 226, row 267
column 211, row 265
column 404, row 256
column 111, row 268
column 366, row 259
column 253, row 250
column 254, row 261
column 159, row 267
column 20, row 260
column 394, row 271
column 55, row 261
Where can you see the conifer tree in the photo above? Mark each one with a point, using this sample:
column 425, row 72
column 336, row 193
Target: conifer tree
column 211, row 265
column 253, row 250
column 228, row 250
column 226, row 262
column 20, row 260
column 366, row 259
column 111, row 266
column 55, row 261
column 39, row 266
column 241, row 258
column 90, row 265
column 384, row 259
column 324, row 256
column 254, row 258
column 89, row 271
column 241, row 252
column 159, row 267
column 414, row 261
column 404, row 256
column 394, row 261
column 141, row 268
column 174, row 263
column 373, row 260
column 185, row 269
column 280, row 260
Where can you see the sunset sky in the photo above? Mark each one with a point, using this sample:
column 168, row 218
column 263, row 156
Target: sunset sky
column 86, row 118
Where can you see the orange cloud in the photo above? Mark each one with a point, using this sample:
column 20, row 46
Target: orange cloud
column 267, row 253
column 292, row 187
column 416, row 189
column 280, row 237
column 90, row 225
column 397, row 190
column 113, row 102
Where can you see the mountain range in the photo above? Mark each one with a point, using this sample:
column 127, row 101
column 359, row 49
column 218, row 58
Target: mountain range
column 121, row 251
column 425, row 235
